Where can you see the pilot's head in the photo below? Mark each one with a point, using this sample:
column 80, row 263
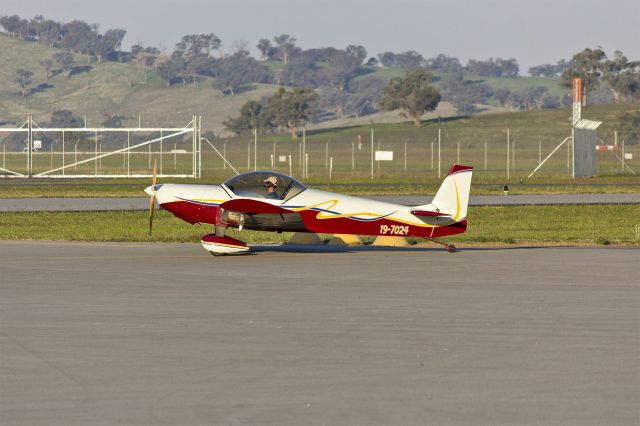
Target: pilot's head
column 271, row 182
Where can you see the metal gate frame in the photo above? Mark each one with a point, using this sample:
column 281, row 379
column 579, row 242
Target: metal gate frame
column 193, row 127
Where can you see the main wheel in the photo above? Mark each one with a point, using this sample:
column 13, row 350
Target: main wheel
column 451, row 248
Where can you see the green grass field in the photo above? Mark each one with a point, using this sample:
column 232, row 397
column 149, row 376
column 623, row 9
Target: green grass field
column 585, row 224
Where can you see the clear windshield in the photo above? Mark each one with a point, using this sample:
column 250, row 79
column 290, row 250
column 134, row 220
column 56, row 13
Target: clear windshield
column 268, row 185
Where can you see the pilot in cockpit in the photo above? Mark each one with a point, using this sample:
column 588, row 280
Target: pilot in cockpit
column 270, row 185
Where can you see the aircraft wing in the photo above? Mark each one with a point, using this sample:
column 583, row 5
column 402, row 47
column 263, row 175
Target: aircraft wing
column 259, row 215
column 250, row 206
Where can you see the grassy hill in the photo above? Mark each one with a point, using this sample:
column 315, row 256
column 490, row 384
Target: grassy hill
column 131, row 91
column 124, row 88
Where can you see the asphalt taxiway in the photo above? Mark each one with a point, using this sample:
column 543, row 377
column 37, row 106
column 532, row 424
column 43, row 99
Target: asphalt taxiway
column 140, row 333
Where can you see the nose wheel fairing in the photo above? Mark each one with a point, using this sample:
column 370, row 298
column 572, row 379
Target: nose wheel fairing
column 223, row 245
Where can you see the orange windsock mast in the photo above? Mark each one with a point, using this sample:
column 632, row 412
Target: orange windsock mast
column 577, row 90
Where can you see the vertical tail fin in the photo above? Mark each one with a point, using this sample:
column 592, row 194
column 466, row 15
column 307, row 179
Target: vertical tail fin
column 452, row 198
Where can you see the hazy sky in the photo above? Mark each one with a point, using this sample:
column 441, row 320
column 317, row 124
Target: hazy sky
column 532, row 31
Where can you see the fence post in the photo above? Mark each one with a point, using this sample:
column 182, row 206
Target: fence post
column 274, row 156
column 128, row 152
column 249, row 156
column 63, row 152
column 304, row 152
column 96, row 148
column 290, row 166
column 622, row 157
column 372, row 150
column 255, row 150
column 405, row 156
column 458, row 162
column 330, row 169
column 439, row 146
column 508, row 154
column 431, row 155
column 353, row 155
column 161, row 143
column 485, row 155
column 224, row 154
column 326, row 154
column 539, row 150
column 306, row 165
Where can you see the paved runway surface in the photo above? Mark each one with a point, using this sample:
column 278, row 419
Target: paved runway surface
column 92, row 204
column 104, row 334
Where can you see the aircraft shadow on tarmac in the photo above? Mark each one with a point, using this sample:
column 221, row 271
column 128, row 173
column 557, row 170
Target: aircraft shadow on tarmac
column 317, row 249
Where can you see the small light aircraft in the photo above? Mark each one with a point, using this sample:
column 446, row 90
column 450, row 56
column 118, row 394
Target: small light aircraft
column 270, row 201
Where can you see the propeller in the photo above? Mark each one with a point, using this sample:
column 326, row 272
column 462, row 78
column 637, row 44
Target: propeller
column 152, row 204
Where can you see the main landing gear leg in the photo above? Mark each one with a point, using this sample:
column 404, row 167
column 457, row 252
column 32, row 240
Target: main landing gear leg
column 221, row 231
column 448, row 247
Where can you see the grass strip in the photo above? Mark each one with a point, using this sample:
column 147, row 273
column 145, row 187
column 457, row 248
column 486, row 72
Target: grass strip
column 578, row 224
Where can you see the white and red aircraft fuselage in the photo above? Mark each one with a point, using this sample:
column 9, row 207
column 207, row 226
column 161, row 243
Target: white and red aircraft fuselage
column 251, row 201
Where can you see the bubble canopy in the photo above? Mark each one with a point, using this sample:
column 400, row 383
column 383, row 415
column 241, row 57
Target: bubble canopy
column 253, row 185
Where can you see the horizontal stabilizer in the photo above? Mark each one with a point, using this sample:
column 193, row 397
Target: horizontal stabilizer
column 429, row 213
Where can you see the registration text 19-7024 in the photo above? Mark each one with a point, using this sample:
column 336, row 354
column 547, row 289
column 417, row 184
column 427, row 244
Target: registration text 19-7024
column 394, row 229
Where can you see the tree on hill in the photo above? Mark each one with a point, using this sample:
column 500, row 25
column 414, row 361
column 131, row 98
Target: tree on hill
column 465, row 94
column 267, row 51
column 78, row 36
column 358, row 53
column 65, row 60
column 443, row 63
column 544, row 70
column 285, row 46
column 16, row 27
column 46, row 64
column 412, row 94
column 144, row 56
column 409, row 60
column 236, row 70
column 631, row 123
column 291, row 109
column 65, row 118
column 586, row 65
column 23, row 79
column 622, row 76
column 494, row 67
column 194, row 45
column 107, row 44
column 253, row 117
